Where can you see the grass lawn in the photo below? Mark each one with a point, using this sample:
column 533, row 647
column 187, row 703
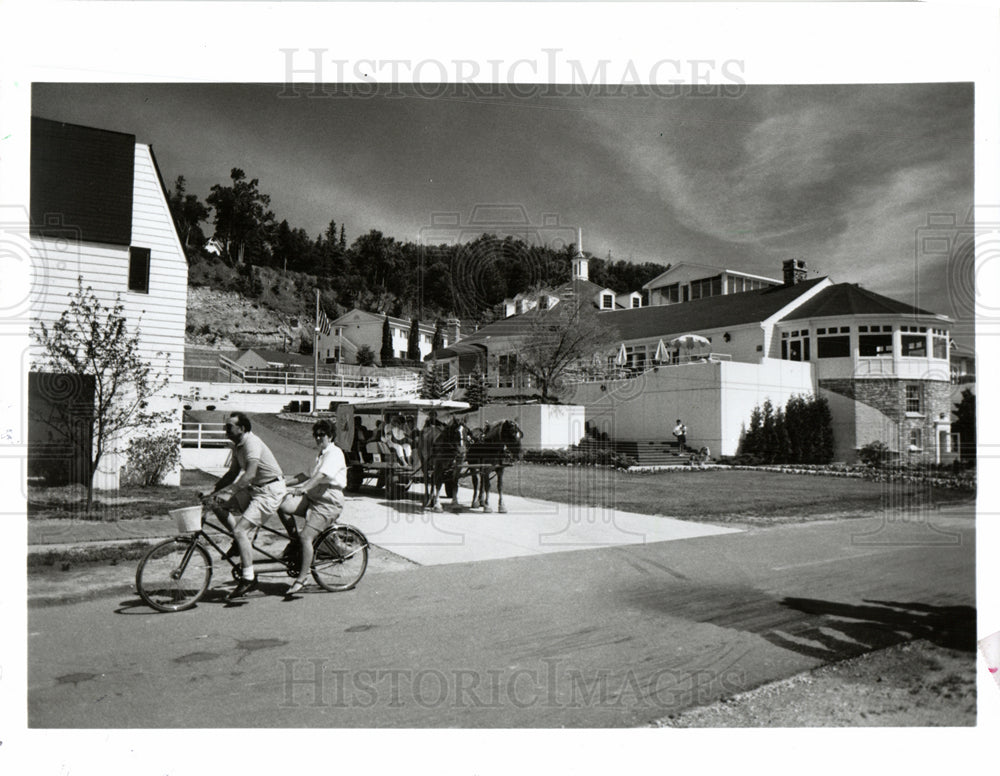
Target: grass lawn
column 712, row 495
column 721, row 495
column 131, row 503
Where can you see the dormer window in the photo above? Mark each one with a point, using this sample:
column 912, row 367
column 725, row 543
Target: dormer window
column 543, row 302
column 607, row 301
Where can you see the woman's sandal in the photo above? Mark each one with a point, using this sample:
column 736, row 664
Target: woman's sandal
column 296, row 586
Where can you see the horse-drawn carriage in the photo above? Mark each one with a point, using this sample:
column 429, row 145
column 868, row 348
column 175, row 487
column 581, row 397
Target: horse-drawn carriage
column 390, row 443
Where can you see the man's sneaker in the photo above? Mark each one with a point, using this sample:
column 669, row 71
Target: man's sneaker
column 243, row 587
column 291, row 552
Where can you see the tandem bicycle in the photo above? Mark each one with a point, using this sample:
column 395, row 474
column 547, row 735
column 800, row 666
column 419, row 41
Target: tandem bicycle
column 176, row 573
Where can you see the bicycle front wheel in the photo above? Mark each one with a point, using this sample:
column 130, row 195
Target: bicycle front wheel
column 340, row 558
column 174, row 575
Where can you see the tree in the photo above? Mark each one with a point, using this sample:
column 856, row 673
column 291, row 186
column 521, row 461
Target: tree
column 431, row 385
column 965, row 425
column 188, row 212
column 366, row 356
column 385, row 354
column 90, row 340
column 413, row 341
column 478, row 392
column 243, row 223
column 557, row 338
column 437, row 342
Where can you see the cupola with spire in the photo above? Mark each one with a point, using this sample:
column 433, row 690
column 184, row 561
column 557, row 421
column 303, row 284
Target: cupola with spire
column 580, row 271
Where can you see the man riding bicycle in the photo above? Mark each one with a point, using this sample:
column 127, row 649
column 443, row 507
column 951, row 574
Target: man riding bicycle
column 257, row 486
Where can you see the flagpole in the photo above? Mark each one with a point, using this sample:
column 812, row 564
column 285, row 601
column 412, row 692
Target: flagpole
column 316, row 354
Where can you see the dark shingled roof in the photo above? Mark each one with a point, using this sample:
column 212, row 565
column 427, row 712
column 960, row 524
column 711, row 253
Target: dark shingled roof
column 849, row 299
column 709, row 313
column 81, row 182
column 658, row 320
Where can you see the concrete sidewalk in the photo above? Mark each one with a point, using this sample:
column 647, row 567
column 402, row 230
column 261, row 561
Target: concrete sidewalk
column 530, row 527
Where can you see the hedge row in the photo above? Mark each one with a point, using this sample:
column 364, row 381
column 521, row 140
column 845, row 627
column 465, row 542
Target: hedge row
column 939, row 479
column 589, row 457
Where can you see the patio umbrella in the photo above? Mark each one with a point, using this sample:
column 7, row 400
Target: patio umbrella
column 622, row 358
column 689, row 342
column 662, row 354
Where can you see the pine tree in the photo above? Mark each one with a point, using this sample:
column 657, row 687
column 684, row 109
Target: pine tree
column 385, row 354
column 438, row 341
column 477, row 394
column 752, row 442
column 413, row 341
column 431, row 386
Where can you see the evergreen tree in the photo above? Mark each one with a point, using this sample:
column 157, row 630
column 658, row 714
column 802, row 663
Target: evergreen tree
column 965, row 425
column 385, row 354
column 431, row 384
column 769, row 435
column 752, row 443
column 477, row 393
column 413, row 341
column 366, row 356
column 438, row 341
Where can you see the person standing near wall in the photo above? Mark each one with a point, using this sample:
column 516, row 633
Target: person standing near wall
column 680, row 434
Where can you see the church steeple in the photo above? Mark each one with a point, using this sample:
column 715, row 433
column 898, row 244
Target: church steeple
column 580, row 271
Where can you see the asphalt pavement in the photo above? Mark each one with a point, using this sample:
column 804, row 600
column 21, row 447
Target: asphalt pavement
column 615, row 636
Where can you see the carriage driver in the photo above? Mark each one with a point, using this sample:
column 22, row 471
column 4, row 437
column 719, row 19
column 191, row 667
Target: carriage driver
column 257, row 489
column 318, row 496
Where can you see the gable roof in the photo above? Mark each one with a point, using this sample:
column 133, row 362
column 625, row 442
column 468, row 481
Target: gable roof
column 82, row 177
column 711, row 312
column 364, row 316
column 715, row 270
column 637, row 323
column 281, row 356
column 850, row 299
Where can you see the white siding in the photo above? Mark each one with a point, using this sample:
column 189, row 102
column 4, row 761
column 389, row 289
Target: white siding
column 161, row 314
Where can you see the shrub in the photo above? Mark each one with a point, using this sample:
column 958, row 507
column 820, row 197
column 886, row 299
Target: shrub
column 801, row 433
column 874, row 454
column 579, row 457
column 150, row 458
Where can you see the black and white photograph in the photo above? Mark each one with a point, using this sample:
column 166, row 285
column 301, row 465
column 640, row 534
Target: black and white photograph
column 431, row 369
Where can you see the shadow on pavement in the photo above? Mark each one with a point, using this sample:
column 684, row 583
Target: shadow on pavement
column 850, row 629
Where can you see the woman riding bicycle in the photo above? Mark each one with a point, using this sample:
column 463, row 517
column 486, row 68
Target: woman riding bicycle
column 318, row 496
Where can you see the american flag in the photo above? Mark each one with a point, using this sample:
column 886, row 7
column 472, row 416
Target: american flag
column 323, row 324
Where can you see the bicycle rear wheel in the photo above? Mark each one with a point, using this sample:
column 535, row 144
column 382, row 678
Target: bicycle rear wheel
column 169, row 584
column 340, row 558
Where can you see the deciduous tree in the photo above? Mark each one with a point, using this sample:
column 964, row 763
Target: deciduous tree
column 92, row 340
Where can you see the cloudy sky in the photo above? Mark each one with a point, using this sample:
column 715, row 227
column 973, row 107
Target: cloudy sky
column 841, row 176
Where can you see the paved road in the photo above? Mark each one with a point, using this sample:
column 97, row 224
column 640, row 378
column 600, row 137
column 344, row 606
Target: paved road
column 610, row 637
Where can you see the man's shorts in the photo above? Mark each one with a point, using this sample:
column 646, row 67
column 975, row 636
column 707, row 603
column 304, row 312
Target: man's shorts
column 258, row 501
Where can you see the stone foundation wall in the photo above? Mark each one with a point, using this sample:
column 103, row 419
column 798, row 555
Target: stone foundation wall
column 888, row 396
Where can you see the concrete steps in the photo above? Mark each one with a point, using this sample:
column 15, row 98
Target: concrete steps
column 660, row 453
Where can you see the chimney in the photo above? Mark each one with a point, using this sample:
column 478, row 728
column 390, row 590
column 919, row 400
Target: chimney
column 793, row 271
column 453, row 330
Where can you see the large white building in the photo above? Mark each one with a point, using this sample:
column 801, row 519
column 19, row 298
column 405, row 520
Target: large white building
column 882, row 364
column 99, row 213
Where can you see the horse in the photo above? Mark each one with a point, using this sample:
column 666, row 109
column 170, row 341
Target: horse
column 442, row 450
column 492, row 449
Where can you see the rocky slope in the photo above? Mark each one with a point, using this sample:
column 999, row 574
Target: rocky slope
column 227, row 321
